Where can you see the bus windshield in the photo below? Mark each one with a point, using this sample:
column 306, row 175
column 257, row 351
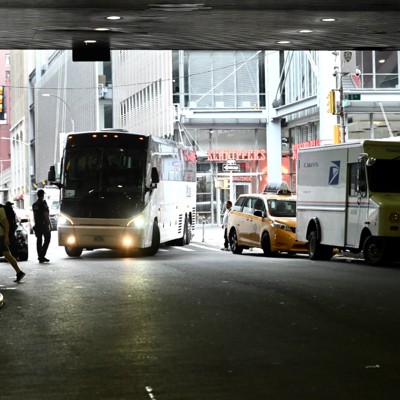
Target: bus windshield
column 106, row 178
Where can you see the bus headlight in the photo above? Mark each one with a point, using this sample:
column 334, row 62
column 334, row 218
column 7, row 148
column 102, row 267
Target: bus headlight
column 127, row 241
column 64, row 220
column 137, row 222
column 71, row 240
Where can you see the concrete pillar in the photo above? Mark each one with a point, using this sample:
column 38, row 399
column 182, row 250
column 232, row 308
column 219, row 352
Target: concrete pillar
column 273, row 128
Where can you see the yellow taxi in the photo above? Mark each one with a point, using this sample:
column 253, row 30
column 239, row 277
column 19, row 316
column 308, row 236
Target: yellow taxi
column 266, row 221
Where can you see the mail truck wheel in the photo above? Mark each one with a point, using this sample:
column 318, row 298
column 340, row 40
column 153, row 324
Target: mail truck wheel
column 374, row 250
column 316, row 250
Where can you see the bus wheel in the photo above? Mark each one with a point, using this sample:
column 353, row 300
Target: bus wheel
column 155, row 241
column 316, row 250
column 188, row 236
column 233, row 240
column 73, row 251
column 374, row 250
column 185, row 235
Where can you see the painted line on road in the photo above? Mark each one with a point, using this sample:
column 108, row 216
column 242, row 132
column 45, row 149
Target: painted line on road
column 180, row 248
column 204, row 247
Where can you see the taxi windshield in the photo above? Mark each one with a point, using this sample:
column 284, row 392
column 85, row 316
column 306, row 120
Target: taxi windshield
column 282, row 208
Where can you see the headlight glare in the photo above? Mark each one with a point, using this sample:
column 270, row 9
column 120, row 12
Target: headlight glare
column 64, row 220
column 137, row 222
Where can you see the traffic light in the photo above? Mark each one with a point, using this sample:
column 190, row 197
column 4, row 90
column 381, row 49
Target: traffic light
column 337, row 132
column 1, row 99
column 331, row 102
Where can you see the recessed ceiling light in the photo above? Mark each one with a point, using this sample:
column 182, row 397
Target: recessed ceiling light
column 328, row 19
column 114, row 18
column 382, row 60
column 306, row 31
column 284, row 42
column 102, row 29
column 90, row 41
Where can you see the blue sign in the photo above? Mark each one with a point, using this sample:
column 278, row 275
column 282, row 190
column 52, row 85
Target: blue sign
column 334, row 172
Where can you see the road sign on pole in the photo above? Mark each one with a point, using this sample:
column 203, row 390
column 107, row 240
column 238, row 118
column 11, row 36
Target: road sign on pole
column 230, row 167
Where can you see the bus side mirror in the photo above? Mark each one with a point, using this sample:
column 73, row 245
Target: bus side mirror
column 155, row 178
column 51, row 177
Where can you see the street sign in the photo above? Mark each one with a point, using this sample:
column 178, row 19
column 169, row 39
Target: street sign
column 353, row 96
column 230, row 167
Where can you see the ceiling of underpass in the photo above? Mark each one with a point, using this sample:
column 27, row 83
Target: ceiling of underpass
column 209, row 25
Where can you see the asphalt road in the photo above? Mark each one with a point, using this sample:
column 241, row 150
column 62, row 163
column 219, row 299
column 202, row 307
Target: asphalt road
column 197, row 323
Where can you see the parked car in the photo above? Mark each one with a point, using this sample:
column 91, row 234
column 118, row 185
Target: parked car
column 21, row 242
column 54, row 212
column 21, row 236
column 24, row 216
column 266, row 221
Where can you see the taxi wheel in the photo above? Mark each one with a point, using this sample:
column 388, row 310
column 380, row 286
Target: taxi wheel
column 266, row 245
column 233, row 240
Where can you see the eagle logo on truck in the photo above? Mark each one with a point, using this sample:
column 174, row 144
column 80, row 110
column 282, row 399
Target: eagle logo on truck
column 334, row 171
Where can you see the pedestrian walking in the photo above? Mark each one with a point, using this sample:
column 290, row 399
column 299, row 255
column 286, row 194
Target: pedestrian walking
column 225, row 220
column 13, row 223
column 42, row 226
column 5, row 242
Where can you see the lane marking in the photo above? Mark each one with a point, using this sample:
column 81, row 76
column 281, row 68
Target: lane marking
column 180, row 248
column 204, row 247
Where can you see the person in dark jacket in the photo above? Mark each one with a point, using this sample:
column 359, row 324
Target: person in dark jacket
column 42, row 226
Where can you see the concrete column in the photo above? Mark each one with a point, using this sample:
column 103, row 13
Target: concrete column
column 273, row 128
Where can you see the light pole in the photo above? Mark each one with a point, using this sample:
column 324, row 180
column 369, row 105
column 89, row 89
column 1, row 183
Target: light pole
column 66, row 104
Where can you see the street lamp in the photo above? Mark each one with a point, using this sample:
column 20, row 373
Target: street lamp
column 66, row 104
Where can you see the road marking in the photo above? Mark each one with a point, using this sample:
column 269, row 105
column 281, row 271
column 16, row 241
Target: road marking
column 204, row 247
column 181, row 248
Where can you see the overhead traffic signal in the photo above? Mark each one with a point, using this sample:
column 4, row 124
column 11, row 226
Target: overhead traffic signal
column 331, row 102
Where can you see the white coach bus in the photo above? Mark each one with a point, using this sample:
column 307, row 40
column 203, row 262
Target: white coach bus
column 121, row 190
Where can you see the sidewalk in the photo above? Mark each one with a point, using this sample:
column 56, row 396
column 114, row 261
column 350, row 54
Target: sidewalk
column 210, row 234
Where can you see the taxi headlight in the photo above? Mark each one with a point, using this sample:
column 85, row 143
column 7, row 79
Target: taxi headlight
column 137, row 222
column 394, row 217
column 283, row 227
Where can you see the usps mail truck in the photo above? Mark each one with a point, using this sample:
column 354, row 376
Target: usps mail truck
column 348, row 198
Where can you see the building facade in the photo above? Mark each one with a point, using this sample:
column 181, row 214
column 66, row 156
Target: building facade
column 247, row 113
column 5, row 142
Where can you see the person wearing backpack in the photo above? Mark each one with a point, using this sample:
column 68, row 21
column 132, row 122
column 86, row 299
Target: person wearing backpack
column 5, row 242
column 12, row 221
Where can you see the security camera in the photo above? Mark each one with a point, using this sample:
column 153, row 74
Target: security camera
column 358, row 72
